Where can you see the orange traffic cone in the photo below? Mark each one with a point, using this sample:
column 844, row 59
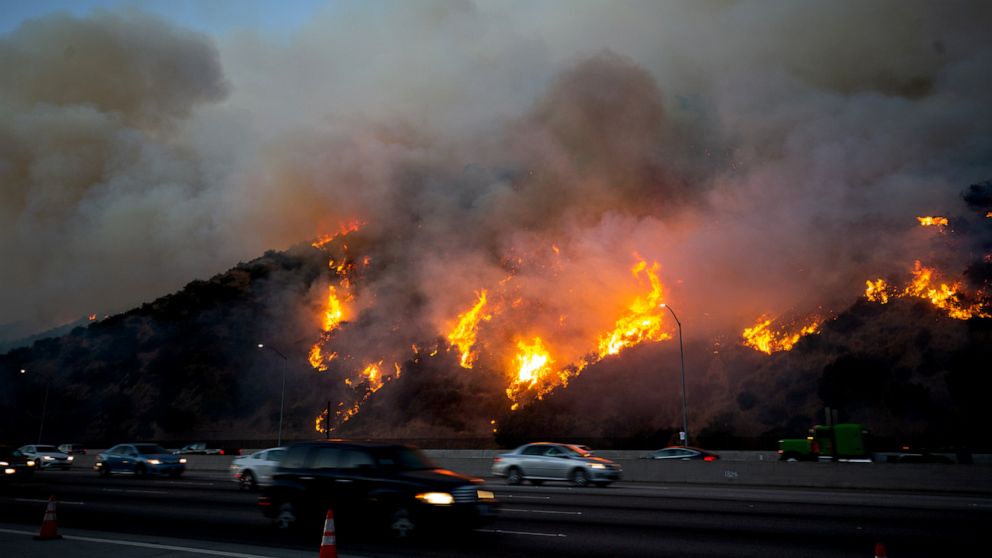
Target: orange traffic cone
column 329, row 544
column 49, row 529
column 880, row 550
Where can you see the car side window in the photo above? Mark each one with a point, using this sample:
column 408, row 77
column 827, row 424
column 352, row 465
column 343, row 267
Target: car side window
column 296, row 457
column 276, row 455
column 534, row 450
column 327, row 458
column 354, row 459
column 554, row 452
column 263, row 455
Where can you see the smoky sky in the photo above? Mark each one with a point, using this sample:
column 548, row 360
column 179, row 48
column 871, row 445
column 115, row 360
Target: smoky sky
column 770, row 156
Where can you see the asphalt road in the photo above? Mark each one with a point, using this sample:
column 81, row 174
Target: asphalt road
column 625, row 519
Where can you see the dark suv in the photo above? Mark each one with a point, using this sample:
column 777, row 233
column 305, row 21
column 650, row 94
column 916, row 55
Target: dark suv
column 377, row 485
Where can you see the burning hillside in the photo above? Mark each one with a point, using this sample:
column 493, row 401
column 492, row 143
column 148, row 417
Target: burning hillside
column 501, row 222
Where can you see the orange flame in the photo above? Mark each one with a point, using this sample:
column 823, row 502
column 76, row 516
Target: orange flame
column 932, row 221
column 533, row 363
column 345, row 228
column 463, row 335
column 762, row 337
column 877, row 291
column 946, row 296
column 91, row 317
column 643, row 322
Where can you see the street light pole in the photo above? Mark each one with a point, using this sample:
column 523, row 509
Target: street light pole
column 282, row 397
column 685, row 411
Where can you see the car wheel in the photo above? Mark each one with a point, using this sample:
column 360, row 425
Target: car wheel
column 580, row 478
column 514, row 475
column 287, row 518
column 140, row 471
column 401, row 524
column 247, row 481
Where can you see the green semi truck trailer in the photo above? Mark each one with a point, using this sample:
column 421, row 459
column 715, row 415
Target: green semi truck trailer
column 844, row 441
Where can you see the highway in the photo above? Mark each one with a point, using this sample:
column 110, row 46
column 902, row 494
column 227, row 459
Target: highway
column 625, row 519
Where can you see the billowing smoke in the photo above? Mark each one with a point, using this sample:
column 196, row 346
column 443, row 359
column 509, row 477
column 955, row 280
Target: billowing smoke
column 770, row 156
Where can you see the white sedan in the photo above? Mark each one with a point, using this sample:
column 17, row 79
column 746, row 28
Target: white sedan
column 252, row 471
column 47, row 457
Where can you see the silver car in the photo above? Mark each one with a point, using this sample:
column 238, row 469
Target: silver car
column 544, row 461
column 252, row 471
column 47, row 457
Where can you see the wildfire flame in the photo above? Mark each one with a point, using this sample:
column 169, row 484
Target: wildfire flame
column 463, row 335
column 932, row 221
column 762, row 337
column 924, row 285
column 643, row 322
column 91, row 317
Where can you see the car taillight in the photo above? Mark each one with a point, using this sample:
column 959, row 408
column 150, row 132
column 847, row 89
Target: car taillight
column 709, row 458
column 497, row 460
column 264, row 501
column 222, row 452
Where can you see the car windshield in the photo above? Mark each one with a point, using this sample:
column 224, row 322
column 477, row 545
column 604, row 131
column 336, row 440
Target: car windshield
column 578, row 451
column 45, row 448
column 403, row 459
column 150, row 449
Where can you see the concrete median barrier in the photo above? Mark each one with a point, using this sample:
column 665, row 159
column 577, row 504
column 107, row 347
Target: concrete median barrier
column 741, row 468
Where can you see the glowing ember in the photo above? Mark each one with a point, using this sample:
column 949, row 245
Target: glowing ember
column 92, row 317
column 762, row 337
column 932, row 221
column 463, row 335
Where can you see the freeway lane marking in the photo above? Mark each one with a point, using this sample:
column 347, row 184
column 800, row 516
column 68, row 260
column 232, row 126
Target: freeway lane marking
column 134, row 490
column 541, row 511
column 46, row 501
column 146, row 545
column 503, row 532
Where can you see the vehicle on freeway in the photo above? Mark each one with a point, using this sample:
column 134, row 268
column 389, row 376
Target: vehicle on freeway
column 830, row 442
column 198, row 448
column 682, row 452
column 140, row 460
column 254, row 470
column 14, row 464
column 70, row 449
column 46, row 457
column 543, row 461
column 381, row 486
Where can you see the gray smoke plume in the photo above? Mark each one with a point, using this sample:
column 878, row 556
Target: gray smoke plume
column 770, row 156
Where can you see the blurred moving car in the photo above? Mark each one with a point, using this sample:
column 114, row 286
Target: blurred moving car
column 14, row 464
column 70, row 449
column 682, row 452
column 198, row 448
column 140, row 460
column 372, row 485
column 544, row 461
column 252, row 471
column 46, row 457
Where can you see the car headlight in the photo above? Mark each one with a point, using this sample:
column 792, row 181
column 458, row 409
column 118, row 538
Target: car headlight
column 30, row 463
column 47, row 458
column 154, row 462
column 4, row 463
column 9, row 471
column 436, row 498
column 69, row 458
column 485, row 495
column 597, row 466
column 182, row 460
